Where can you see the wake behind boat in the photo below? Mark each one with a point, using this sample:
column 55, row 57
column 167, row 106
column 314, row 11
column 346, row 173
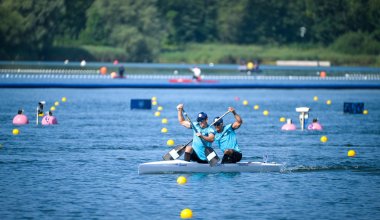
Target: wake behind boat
column 180, row 166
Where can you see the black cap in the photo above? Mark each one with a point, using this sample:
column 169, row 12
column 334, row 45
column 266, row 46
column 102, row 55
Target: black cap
column 220, row 121
column 201, row 117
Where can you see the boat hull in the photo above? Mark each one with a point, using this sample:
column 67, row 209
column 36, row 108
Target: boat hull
column 180, row 166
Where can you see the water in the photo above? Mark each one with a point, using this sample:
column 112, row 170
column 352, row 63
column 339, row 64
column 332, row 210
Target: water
column 86, row 167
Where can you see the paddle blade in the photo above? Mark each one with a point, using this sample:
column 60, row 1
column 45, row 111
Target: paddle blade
column 212, row 157
column 174, row 153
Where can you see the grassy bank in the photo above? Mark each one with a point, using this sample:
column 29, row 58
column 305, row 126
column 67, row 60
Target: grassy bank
column 216, row 53
column 222, row 53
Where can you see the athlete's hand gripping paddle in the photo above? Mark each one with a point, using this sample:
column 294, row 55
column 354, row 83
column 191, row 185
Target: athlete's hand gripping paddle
column 176, row 152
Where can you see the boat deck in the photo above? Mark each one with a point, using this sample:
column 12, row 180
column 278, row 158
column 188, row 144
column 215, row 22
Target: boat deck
column 180, row 166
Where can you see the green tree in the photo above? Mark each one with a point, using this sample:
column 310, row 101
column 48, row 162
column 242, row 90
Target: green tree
column 329, row 20
column 132, row 25
column 74, row 19
column 374, row 15
column 28, row 28
column 230, row 18
column 189, row 21
column 260, row 21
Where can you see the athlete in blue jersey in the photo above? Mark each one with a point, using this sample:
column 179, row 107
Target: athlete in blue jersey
column 225, row 138
column 202, row 139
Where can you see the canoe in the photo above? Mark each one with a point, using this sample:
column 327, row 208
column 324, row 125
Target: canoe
column 182, row 80
column 180, row 166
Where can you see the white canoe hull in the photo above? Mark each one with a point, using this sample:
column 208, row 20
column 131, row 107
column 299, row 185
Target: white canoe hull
column 180, row 166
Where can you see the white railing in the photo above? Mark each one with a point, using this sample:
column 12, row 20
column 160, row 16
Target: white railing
column 94, row 74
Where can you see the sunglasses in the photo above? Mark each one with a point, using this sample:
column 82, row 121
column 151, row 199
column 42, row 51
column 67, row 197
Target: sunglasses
column 217, row 124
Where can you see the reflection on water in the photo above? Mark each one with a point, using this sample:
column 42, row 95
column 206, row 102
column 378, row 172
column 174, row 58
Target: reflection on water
column 86, row 166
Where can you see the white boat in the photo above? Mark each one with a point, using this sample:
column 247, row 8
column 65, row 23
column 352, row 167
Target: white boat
column 180, row 166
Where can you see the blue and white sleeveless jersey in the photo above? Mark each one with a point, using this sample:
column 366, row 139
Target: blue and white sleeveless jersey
column 227, row 139
column 198, row 144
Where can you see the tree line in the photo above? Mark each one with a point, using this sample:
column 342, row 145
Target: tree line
column 31, row 29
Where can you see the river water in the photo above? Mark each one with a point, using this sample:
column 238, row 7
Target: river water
column 86, row 167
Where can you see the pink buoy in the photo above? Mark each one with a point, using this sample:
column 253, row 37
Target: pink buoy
column 289, row 126
column 20, row 118
column 315, row 125
column 49, row 119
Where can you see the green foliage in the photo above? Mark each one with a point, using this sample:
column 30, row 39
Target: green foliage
column 29, row 27
column 75, row 18
column 357, row 43
column 268, row 54
column 229, row 20
column 189, row 21
column 105, row 54
column 70, row 53
column 32, row 29
column 131, row 25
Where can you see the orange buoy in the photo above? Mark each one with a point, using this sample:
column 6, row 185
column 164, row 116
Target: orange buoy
column 323, row 74
column 103, row 70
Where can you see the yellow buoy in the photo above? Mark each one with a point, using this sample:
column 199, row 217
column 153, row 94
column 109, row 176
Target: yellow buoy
column 64, row 99
column 245, row 102
column 282, row 119
column 164, row 130
column 154, row 102
column 56, row 103
column 256, row 107
column 170, row 142
column 250, row 65
column 181, row 180
column 365, row 112
column 315, row 98
column 15, row 131
column 154, row 98
column 52, row 108
column 164, row 121
column 265, row 112
column 160, row 108
column 186, row 213
column 351, row 153
column 323, row 139
column 157, row 114
column 328, row 102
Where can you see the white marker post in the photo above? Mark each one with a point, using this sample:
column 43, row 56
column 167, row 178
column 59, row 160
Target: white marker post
column 304, row 115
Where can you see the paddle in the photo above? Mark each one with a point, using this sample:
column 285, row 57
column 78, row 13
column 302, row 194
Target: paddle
column 177, row 152
column 211, row 155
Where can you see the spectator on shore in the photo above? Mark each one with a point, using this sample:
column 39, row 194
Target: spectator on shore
column 121, row 71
